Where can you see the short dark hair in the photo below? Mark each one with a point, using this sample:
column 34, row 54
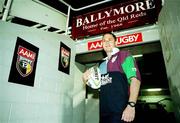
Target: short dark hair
column 114, row 36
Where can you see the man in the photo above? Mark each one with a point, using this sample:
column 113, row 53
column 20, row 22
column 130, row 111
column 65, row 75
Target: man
column 120, row 83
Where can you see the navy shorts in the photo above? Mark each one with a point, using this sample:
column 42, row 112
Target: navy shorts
column 110, row 118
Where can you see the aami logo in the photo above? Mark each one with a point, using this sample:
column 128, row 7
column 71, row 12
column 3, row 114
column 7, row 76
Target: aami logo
column 65, row 57
column 22, row 51
column 121, row 40
column 95, row 45
column 25, row 61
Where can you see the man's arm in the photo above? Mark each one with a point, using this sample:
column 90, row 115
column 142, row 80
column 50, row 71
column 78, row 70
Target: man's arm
column 134, row 89
column 129, row 112
column 132, row 73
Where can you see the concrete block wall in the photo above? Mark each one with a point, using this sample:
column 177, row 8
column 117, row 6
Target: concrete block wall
column 92, row 110
column 79, row 95
column 169, row 29
column 51, row 98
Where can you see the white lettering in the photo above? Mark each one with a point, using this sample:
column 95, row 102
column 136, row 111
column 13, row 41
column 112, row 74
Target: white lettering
column 26, row 53
column 108, row 13
column 93, row 19
column 136, row 37
column 137, row 15
column 124, row 18
column 78, row 22
column 150, row 4
column 92, row 46
column 139, row 6
column 86, row 21
column 129, row 8
column 89, row 26
column 121, row 11
column 127, row 39
column 100, row 17
column 95, row 45
column 21, row 51
column 106, row 80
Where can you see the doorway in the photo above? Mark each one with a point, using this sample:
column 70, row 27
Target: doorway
column 154, row 103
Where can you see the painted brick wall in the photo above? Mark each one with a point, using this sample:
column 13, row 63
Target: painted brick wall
column 51, row 98
column 169, row 28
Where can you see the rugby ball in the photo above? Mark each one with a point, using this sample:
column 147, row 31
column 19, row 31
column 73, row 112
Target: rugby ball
column 95, row 78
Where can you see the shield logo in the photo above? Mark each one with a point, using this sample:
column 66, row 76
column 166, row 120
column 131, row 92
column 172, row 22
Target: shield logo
column 65, row 56
column 25, row 61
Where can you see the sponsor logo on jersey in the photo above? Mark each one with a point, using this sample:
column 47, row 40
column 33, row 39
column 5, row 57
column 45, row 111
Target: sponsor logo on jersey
column 105, row 79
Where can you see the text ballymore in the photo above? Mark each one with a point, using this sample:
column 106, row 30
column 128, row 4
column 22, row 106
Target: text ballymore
column 114, row 18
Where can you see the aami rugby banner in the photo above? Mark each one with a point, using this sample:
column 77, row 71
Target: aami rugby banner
column 121, row 40
column 23, row 65
column 122, row 16
column 64, row 58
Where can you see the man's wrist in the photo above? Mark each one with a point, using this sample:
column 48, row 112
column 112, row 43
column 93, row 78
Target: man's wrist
column 132, row 104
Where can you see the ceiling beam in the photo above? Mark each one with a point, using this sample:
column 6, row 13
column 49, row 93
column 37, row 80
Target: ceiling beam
column 85, row 7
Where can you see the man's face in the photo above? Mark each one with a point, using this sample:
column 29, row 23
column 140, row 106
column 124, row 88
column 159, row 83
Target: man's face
column 108, row 42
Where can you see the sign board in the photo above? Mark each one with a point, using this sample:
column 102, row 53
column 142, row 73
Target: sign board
column 64, row 58
column 121, row 40
column 122, row 16
column 24, row 62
